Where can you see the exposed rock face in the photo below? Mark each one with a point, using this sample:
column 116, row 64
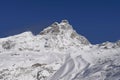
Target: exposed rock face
column 8, row 44
column 118, row 43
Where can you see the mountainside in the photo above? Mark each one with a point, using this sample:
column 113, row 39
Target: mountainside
column 58, row 53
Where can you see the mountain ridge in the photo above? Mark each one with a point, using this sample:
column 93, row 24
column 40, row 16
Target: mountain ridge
column 54, row 26
column 58, row 53
column 55, row 35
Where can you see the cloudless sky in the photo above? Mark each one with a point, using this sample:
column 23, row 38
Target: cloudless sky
column 98, row 20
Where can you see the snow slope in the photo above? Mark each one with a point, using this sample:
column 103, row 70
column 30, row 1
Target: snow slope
column 58, row 53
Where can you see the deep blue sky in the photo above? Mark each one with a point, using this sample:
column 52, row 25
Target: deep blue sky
column 98, row 20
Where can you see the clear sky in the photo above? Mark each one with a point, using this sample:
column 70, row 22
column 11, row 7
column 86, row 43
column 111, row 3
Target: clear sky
column 98, row 20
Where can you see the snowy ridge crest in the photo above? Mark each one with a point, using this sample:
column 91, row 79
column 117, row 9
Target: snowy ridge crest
column 56, row 36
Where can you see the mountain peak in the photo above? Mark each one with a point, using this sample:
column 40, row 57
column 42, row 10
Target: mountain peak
column 65, row 21
column 56, row 28
column 64, row 30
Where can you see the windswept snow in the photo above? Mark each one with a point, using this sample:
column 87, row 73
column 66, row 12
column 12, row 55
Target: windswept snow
column 58, row 53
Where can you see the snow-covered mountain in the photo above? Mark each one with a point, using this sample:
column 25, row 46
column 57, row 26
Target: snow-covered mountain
column 58, row 53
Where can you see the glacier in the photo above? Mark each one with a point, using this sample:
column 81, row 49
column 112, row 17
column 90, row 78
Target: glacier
column 58, row 53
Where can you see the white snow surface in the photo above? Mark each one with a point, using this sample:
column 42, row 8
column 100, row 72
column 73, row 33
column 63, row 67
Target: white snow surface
column 58, row 53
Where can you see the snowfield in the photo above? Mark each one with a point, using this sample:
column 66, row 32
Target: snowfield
column 58, row 53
